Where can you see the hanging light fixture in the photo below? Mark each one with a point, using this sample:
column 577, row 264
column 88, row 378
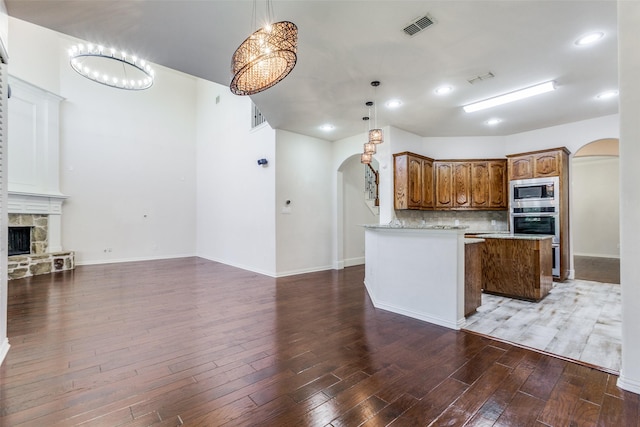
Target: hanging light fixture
column 265, row 58
column 367, row 155
column 375, row 134
column 111, row 67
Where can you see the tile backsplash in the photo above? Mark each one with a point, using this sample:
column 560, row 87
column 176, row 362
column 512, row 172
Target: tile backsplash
column 475, row 220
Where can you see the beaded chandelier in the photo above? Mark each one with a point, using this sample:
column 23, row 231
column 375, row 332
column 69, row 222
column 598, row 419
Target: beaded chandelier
column 266, row 57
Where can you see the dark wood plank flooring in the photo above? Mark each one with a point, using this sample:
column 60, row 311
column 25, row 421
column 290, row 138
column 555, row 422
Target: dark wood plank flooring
column 197, row 343
column 597, row 269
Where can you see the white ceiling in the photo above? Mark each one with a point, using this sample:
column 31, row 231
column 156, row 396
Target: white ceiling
column 344, row 45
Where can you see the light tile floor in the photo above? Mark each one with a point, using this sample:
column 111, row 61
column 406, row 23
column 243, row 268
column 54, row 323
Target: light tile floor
column 579, row 319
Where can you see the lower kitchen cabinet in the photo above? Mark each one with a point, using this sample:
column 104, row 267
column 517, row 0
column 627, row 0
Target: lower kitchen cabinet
column 517, row 266
column 472, row 275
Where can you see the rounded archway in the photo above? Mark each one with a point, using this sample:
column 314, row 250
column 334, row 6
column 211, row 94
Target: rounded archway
column 595, row 207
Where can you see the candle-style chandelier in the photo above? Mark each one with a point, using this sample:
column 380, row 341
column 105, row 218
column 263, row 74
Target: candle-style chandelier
column 111, row 67
column 265, row 58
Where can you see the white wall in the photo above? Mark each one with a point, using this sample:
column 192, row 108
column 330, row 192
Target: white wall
column 304, row 176
column 595, row 205
column 572, row 135
column 356, row 212
column 4, row 341
column 126, row 157
column 478, row 147
column 629, row 69
column 235, row 196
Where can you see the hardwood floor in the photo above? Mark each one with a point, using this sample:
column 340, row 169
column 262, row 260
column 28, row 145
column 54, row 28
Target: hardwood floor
column 197, row 343
column 597, row 269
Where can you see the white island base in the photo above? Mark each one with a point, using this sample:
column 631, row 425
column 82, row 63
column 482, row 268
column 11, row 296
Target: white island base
column 417, row 272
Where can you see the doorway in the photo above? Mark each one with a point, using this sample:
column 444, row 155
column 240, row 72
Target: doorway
column 595, row 209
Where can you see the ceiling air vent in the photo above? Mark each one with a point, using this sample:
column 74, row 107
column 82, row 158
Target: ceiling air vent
column 418, row 25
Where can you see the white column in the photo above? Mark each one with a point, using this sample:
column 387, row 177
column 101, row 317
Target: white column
column 629, row 70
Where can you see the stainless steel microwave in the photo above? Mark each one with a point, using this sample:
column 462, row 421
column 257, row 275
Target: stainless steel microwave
column 534, row 190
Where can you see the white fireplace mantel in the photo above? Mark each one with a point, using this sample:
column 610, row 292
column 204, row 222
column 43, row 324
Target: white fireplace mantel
column 32, row 203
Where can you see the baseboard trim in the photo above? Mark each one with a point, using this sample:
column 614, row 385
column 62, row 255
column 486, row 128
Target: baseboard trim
column 628, row 384
column 350, row 262
column 585, row 254
column 4, row 349
column 134, row 259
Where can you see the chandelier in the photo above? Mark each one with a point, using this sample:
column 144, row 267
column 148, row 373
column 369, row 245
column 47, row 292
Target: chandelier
column 266, row 57
column 375, row 134
column 111, row 67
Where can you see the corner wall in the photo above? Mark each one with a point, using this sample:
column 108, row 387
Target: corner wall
column 235, row 196
column 629, row 69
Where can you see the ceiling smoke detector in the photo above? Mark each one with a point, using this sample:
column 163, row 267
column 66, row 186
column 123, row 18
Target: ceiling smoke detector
column 417, row 25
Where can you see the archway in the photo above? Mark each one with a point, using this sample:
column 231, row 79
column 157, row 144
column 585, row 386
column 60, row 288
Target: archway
column 595, row 211
column 353, row 211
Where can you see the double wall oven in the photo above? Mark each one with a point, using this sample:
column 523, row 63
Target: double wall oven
column 535, row 209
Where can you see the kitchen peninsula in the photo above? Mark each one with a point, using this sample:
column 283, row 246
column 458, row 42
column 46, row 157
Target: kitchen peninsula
column 420, row 271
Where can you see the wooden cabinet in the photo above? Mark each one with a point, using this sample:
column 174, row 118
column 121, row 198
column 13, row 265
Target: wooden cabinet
column 472, row 276
column 413, row 181
column 517, row 268
column 471, row 184
column 537, row 164
column 489, row 179
column 423, row 183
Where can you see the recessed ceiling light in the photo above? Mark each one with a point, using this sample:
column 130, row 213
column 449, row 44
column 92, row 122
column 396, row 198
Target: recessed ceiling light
column 510, row 97
column 394, row 103
column 327, row 127
column 493, row 122
column 443, row 90
column 589, row 38
column 608, row 94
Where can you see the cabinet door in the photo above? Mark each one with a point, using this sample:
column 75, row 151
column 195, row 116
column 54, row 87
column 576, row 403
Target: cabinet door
column 444, row 185
column 415, row 181
column 498, row 184
column 520, row 167
column 400, row 182
column 546, row 164
column 462, row 184
column 427, row 184
column 480, row 194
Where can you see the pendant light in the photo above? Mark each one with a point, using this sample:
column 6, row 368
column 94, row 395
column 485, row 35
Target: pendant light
column 375, row 134
column 367, row 155
column 266, row 57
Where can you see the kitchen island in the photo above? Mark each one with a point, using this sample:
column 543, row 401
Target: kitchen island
column 417, row 272
column 517, row 265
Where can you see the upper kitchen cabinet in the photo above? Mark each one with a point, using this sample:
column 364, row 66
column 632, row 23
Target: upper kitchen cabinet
column 537, row 164
column 413, row 181
column 489, row 178
column 453, row 184
column 423, row 183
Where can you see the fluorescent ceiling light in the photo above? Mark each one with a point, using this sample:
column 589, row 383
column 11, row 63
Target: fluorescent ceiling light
column 510, row 97
column 608, row 94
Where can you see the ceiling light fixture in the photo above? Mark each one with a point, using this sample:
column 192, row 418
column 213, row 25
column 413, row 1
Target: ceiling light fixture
column 493, row 122
column 393, row 103
column 589, row 38
column 265, row 58
column 375, row 134
column 510, row 97
column 608, row 94
column 327, row 127
column 111, row 67
column 443, row 90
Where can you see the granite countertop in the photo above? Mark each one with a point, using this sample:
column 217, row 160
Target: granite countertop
column 515, row 236
column 469, row 240
column 417, row 227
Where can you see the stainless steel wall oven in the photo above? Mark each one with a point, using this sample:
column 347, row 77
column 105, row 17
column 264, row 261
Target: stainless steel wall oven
column 534, row 209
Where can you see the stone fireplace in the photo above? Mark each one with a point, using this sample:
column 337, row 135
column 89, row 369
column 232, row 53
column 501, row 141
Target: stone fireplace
column 45, row 252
